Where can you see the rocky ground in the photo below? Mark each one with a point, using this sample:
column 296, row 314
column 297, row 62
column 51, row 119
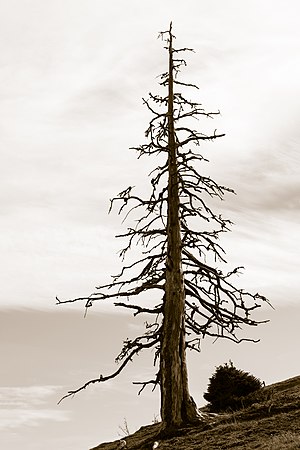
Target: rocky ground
column 270, row 420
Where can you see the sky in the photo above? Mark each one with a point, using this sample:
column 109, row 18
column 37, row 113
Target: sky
column 73, row 74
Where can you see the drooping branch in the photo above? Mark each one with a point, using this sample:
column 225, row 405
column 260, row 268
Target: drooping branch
column 135, row 351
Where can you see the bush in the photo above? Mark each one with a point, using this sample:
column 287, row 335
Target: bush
column 227, row 387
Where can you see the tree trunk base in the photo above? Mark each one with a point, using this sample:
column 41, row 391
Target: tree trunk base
column 190, row 418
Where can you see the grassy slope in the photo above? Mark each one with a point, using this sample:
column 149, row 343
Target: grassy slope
column 270, row 420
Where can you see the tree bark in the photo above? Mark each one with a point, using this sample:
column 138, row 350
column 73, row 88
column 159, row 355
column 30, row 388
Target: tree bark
column 177, row 407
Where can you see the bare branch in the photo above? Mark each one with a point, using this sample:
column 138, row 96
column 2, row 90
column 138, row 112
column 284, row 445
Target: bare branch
column 101, row 378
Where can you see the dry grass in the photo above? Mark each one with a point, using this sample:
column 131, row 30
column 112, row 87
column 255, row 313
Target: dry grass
column 270, row 420
column 287, row 440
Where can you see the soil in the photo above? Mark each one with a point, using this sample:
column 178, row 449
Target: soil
column 269, row 419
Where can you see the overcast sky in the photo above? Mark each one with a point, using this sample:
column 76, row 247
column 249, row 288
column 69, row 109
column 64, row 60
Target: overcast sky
column 72, row 77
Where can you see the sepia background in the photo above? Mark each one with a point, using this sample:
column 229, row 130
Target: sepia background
column 73, row 74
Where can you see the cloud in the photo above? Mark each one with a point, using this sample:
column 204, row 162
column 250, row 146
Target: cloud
column 268, row 181
column 22, row 396
column 14, row 418
column 25, row 406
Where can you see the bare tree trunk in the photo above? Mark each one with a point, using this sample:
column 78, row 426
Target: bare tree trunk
column 177, row 407
column 197, row 296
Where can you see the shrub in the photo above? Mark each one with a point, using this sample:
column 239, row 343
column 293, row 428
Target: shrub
column 227, row 387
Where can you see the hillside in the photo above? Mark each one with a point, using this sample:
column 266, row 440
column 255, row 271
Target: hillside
column 269, row 420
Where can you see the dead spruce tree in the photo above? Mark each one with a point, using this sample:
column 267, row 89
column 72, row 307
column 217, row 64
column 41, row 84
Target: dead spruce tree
column 177, row 231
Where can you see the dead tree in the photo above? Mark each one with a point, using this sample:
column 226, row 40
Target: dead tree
column 181, row 258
